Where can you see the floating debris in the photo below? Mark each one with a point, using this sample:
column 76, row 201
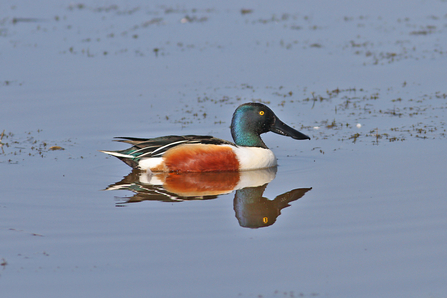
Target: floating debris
column 246, row 11
column 16, row 147
column 53, row 148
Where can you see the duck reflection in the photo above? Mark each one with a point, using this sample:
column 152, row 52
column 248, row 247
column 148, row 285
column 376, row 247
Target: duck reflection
column 255, row 211
column 251, row 208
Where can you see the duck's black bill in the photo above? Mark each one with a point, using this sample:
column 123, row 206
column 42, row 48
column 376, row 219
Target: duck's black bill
column 281, row 128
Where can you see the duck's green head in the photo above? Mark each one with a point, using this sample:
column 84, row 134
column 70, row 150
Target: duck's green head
column 250, row 120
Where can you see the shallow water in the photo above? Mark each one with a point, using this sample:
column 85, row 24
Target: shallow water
column 367, row 84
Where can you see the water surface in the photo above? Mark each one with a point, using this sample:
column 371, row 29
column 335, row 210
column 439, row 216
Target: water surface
column 366, row 215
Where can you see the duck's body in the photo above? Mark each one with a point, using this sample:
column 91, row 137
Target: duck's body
column 193, row 153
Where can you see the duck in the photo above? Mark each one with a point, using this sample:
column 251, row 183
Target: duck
column 198, row 153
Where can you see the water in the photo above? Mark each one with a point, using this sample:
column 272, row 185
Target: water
column 367, row 84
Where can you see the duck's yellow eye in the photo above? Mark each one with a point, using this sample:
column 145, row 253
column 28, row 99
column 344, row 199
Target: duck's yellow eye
column 261, row 113
column 265, row 219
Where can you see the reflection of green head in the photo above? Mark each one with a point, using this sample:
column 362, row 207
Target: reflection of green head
column 252, row 209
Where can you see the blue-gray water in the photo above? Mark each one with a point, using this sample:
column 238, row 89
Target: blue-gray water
column 366, row 80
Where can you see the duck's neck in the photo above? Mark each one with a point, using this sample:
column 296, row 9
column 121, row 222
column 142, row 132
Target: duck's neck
column 244, row 135
column 248, row 140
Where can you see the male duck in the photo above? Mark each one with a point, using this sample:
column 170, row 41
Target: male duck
column 193, row 153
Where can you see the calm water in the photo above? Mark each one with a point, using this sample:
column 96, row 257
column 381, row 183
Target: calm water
column 358, row 211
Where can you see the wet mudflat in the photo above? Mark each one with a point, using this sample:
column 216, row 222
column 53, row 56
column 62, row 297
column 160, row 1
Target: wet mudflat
column 358, row 211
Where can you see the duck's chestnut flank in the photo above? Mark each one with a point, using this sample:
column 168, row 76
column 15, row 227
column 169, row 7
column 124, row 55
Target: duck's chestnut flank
column 201, row 158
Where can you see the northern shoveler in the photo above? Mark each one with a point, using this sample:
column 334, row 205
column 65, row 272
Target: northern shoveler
column 193, row 153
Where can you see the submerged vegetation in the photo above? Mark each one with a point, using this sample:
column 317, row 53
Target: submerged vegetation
column 346, row 114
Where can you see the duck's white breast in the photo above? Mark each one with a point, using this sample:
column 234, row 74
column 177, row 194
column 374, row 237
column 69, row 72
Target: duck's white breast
column 251, row 158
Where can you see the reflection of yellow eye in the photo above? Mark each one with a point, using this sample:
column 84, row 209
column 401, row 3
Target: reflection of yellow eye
column 261, row 113
column 264, row 219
